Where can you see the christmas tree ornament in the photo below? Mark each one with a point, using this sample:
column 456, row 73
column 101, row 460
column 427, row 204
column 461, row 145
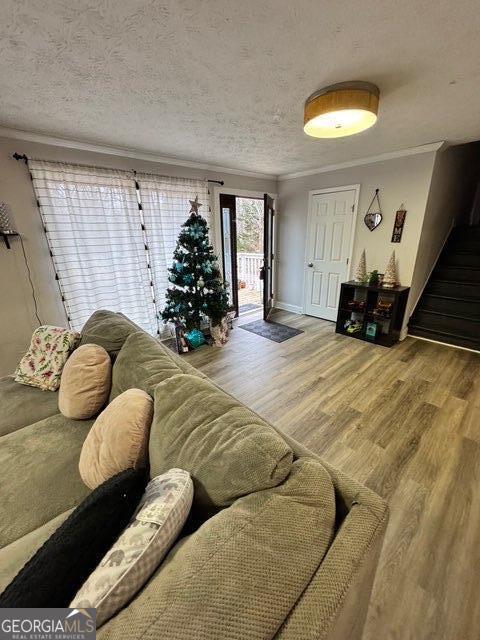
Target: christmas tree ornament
column 390, row 276
column 194, row 205
column 195, row 338
column 361, row 270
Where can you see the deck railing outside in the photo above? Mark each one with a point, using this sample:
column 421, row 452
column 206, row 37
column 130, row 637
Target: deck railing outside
column 248, row 269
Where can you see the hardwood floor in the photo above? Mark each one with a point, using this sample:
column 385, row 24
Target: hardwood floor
column 404, row 421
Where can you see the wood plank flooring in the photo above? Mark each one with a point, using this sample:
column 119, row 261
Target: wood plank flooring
column 404, row 421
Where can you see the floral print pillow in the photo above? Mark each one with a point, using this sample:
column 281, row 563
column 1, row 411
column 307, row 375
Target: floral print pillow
column 43, row 363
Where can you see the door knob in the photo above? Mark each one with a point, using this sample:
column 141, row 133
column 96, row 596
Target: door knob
column 310, row 264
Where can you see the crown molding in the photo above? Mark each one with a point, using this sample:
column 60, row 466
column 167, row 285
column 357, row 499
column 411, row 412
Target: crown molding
column 411, row 151
column 30, row 136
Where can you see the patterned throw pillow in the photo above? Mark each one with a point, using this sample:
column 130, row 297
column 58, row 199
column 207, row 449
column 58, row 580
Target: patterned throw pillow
column 141, row 547
column 49, row 349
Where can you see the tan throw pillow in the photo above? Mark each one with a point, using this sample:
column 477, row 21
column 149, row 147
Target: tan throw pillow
column 141, row 547
column 43, row 363
column 118, row 439
column 85, row 382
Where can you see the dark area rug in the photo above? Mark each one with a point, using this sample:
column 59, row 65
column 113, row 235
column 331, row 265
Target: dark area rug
column 271, row 330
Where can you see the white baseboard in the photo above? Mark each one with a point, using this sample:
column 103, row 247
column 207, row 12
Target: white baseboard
column 444, row 344
column 284, row 306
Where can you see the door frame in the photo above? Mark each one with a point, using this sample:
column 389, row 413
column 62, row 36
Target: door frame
column 216, row 219
column 311, row 193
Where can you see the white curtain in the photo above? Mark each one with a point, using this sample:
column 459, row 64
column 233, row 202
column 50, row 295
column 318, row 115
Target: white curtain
column 165, row 204
column 94, row 230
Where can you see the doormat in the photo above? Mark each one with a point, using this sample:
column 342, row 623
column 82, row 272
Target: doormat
column 249, row 306
column 271, row 330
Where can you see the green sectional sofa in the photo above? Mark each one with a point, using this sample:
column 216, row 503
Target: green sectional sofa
column 280, row 545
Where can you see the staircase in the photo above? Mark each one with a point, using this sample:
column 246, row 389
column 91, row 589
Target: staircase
column 449, row 308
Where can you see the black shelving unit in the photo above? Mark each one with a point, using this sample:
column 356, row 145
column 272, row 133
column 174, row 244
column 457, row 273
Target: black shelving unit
column 358, row 305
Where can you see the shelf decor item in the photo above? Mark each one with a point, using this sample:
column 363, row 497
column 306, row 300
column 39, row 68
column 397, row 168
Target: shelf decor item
column 371, row 330
column 361, row 270
column 398, row 224
column 373, row 217
column 390, row 276
column 6, row 228
column 373, row 278
column 356, row 305
column 5, row 224
column 383, row 310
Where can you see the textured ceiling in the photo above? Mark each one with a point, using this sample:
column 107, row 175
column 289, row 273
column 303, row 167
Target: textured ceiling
column 224, row 81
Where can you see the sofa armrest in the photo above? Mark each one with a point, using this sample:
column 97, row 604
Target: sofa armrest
column 335, row 603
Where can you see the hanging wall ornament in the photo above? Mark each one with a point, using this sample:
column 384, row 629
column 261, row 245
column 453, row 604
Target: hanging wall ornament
column 373, row 217
column 390, row 276
column 398, row 224
column 361, row 270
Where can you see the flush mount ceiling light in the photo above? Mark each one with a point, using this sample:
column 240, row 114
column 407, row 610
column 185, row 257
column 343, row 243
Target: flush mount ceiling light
column 341, row 110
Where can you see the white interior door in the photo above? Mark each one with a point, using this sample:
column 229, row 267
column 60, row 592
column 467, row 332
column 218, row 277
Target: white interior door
column 329, row 235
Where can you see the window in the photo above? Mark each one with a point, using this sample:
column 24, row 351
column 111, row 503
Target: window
column 109, row 252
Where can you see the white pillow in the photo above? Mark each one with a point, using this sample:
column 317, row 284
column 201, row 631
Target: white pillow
column 141, row 547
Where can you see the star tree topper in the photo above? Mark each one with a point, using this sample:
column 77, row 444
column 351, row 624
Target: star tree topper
column 195, row 204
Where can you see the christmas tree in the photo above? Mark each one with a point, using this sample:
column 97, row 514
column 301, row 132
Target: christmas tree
column 198, row 289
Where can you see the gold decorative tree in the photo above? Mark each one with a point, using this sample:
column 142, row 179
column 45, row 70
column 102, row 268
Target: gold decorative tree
column 390, row 277
column 361, row 270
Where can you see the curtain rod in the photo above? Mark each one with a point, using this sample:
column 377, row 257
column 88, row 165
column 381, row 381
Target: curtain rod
column 24, row 158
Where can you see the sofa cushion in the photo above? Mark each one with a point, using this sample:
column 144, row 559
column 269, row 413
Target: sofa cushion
column 118, row 439
column 16, row 554
column 40, row 478
column 22, row 405
column 107, row 329
column 85, row 382
column 228, row 450
column 130, row 562
column 61, row 565
column 47, row 354
column 144, row 362
column 240, row 574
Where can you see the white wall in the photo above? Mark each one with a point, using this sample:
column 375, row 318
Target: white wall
column 401, row 180
column 17, row 319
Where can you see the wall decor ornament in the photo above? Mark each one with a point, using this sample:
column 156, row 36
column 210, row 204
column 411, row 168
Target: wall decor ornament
column 373, row 217
column 390, row 276
column 398, row 224
column 361, row 270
